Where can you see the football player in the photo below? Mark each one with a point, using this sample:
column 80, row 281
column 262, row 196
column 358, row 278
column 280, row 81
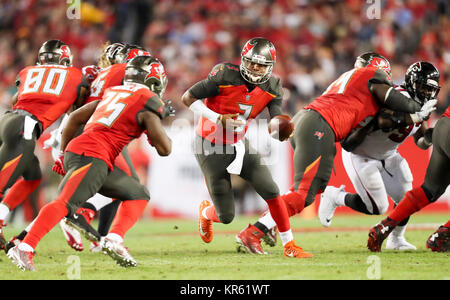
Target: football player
column 45, row 92
column 113, row 62
column 437, row 179
column 234, row 96
column 376, row 168
column 350, row 101
column 124, row 113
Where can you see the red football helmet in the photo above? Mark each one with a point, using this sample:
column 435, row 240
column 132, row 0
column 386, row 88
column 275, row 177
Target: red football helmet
column 54, row 52
column 373, row 59
column 90, row 72
column 261, row 51
column 126, row 53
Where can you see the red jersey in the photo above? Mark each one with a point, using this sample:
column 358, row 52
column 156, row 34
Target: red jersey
column 447, row 112
column 231, row 95
column 114, row 123
column 347, row 103
column 48, row 91
column 108, row 77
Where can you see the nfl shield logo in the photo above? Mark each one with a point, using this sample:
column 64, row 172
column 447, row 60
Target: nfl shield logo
column 247, row 97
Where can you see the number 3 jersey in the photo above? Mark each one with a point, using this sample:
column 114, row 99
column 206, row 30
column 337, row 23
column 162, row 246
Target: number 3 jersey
column 380, row 145
column 348, row 102
column 114, row 123
column 48, row 91
column 226, row 92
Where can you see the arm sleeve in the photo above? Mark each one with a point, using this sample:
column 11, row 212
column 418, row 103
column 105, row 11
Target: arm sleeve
column 275, row 108
column 155, row 105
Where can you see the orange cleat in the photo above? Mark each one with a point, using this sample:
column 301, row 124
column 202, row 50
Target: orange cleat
column 292, row 250
column 205, row 227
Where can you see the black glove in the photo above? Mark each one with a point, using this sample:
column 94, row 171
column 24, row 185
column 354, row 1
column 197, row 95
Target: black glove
column 168, row 109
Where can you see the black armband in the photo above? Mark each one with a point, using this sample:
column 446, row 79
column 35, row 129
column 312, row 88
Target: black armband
column 396, row 101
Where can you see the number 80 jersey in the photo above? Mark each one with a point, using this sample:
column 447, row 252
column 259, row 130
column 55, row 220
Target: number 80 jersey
column 114, row 123
column 48, row 91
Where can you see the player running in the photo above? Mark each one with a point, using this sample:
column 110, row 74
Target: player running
column 349, row 102
column 45, row 92
column 437, row 179
column 125, row 112
column 113, row 62
column 234, row 96
column 375, row 167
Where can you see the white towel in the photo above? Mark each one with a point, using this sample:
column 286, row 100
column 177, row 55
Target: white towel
column 236, row 165
column 28, row 128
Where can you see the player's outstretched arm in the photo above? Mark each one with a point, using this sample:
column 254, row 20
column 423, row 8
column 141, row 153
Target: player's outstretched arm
column 390, row 98
column 156, row 134
column 76, row 119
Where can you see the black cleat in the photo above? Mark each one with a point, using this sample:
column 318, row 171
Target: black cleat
column 78, row 222
column 439, row 241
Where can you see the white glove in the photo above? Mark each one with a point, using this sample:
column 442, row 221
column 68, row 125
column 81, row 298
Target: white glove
column 424, row 112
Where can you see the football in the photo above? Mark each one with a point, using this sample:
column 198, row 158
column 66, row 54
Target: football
column 281, row 127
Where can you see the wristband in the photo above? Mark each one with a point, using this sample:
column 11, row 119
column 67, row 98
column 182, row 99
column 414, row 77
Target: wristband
column 198, row 107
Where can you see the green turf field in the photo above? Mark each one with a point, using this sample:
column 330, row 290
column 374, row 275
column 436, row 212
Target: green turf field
column 171, row 249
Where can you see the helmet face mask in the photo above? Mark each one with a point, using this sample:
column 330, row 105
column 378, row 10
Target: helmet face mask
column 54, row 52
column 257, row 52
column 422, row 82
column 111, row 52
column 149, row 71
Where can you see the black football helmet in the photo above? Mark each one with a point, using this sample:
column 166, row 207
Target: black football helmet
column 257, row 50
column 149, row 71
column 111, row 52
column 373, row 59
column 422, row 81
column 128, row 51
column 54, row 52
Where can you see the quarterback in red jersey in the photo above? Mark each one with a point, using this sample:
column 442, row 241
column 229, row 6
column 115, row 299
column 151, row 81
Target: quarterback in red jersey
column 45, row 92
column 234, row 96
column 349, row 102
column 124, row 113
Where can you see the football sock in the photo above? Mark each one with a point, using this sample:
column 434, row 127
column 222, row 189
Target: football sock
column 261, row 227
column 106, row 216
column 294, row 203
column 279, row 213
column 210, row 214
column 355, row 202
column 127, row 215
column 48, row 217
column 412, row 202
column 4, row 211
column 19, row 192
column 286, row 237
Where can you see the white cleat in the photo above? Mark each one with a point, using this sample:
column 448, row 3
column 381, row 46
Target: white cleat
column 397, row 241
column 328, row 204
column 118, row 252
column 96, row 247
column 73, row 236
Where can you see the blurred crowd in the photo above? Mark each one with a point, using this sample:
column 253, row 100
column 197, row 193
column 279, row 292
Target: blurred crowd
column 316, row 40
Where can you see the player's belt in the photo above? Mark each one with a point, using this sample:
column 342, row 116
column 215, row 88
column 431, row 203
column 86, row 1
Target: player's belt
column 25, row 113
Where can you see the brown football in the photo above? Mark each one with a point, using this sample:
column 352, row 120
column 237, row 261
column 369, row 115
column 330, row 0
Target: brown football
column 281, row 127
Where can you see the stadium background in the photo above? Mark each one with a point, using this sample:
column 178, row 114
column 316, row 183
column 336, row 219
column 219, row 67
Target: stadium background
column 315, row 41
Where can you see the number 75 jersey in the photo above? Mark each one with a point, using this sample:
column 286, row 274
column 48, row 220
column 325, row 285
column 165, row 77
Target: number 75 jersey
column 48, row 91
column 348, row 103
column 114, row 123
